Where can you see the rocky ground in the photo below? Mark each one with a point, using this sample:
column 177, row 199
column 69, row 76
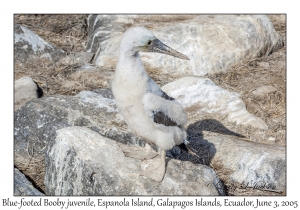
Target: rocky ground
column 267, row 70
column 259, row 80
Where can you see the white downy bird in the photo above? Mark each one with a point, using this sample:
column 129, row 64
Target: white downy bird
column 148, row 111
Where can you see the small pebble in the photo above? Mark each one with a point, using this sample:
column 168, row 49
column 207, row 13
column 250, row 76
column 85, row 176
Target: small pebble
column 271, row 139
column 263, row 90
column 264, row 65
column 281, row 64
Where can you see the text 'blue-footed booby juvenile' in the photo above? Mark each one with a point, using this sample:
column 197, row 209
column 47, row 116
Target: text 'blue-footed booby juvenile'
column 148, row 111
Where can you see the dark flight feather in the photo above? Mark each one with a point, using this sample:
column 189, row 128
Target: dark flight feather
column 165, row 96
column 160, row 117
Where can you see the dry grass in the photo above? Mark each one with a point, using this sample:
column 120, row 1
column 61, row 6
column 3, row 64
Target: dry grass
column 69, row 32
column 63, row 80
column 50, row 78
column 160, row 79
column 36, row 174
column 272, row 107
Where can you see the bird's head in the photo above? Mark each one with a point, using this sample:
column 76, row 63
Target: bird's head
column 140, row 39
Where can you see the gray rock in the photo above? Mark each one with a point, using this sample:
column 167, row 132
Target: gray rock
column 22, row 187
column 29, row 46
column 36, row 122
column 82, row 162
column 263, row 90
column 238, row 162
column 25, row 90
column 214, row 43
column 199, row 96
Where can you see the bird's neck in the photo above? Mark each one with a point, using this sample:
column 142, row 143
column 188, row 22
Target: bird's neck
column 130, row 63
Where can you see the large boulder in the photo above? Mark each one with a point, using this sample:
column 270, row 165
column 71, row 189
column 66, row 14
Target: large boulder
column 200, row 96
column 244, row 165
column 28, row 46
column 37, row 121
column 214, row 43
column 22, row 186
column 82, row 162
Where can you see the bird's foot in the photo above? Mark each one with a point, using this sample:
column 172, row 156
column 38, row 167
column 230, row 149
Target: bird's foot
column 155, row 168
column 137, row 152
column 190, row 149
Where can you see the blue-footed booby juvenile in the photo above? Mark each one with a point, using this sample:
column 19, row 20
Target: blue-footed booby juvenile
column 148, row 111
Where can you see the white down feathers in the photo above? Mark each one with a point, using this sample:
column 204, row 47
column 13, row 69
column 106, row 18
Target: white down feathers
column 137, row 96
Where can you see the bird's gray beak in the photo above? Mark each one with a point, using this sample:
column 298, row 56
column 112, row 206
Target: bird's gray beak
column 158, row 46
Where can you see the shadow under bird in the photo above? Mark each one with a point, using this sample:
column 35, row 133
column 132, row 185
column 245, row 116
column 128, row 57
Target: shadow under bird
column 148, row 111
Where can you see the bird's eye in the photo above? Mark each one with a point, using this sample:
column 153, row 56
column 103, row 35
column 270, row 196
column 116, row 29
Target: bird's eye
column 149, row 43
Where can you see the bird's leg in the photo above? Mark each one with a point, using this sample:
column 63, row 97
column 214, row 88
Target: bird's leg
column 161, row 170
column 163, row 156
column 163, row 162
column 155, row 168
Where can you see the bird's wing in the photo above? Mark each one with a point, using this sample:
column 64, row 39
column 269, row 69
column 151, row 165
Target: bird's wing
column 164, row 110
column 161, row 118
column 155, row 89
